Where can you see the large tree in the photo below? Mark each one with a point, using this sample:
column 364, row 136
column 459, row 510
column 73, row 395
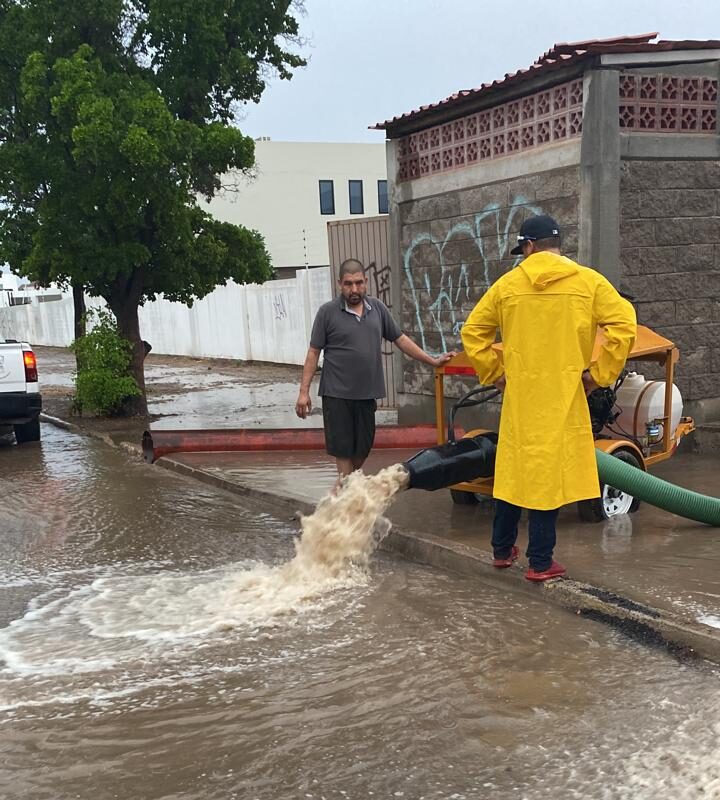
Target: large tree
column 115, row 116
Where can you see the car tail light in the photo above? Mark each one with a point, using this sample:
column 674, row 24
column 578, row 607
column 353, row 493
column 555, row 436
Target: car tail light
column 30, row 361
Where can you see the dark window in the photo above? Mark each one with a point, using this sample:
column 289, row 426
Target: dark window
column 327, row 197
column 382, row 197
column 356, row 197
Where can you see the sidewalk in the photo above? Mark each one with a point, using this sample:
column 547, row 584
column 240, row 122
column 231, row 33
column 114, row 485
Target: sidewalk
column 652, row 574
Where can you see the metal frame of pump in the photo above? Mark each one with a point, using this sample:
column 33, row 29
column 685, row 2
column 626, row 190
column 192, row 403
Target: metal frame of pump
column 649, row 347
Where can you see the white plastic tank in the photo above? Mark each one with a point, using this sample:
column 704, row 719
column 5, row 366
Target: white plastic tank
column 641, row 403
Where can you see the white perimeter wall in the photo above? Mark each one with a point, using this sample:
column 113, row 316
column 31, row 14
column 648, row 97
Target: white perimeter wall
column 268, row 322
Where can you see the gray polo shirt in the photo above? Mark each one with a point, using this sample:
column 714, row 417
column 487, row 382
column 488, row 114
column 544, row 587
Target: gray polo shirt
column 352, row 367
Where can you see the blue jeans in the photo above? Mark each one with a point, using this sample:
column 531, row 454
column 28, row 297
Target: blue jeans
column 541, row 533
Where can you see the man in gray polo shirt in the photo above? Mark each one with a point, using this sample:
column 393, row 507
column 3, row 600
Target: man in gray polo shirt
column 350, row 330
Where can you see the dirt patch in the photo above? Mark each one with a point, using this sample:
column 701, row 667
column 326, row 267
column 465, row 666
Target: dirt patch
column 259, row 371
column 188, row 374
column 55, row 392
column 165, row 376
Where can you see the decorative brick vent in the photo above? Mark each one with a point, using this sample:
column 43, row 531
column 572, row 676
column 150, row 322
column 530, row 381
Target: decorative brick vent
column 549, row 116
column 668, row 104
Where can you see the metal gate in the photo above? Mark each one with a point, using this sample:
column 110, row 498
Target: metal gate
column 366, row 240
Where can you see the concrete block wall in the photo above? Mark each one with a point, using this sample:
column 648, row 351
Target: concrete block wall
column 637, row 193
column 670, row 254
column 455, row 244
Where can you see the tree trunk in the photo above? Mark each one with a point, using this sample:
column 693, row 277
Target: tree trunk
column 125, row 309
column 79, row 306
column 79, row 313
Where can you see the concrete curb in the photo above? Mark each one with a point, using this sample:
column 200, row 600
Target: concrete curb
column 135, row 449
column 292, row 505
column 649, row 625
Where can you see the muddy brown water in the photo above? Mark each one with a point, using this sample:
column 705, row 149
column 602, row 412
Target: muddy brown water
column 139, row 659
column 653, row 557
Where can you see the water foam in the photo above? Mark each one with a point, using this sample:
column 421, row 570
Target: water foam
column 686, row 769
column 117, row 618
column 345, row 528
column 713, row 620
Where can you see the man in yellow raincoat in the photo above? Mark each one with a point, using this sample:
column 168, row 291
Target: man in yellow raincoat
column 547, row 310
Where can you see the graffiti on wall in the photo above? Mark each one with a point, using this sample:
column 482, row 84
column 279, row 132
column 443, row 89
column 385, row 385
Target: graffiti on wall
column 379, row 285
column 379, row 280
column 440, row 287
column 279, row 306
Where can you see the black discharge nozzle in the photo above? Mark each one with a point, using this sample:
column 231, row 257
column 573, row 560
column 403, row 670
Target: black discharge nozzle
column 455, row 462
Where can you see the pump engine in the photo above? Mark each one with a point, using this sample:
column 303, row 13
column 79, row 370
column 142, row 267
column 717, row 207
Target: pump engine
column 603, row 411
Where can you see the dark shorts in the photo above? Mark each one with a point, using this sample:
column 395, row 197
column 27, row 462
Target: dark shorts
column 349, row 427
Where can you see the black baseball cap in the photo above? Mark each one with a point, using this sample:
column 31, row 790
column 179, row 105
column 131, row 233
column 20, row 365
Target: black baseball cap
column 535, row 228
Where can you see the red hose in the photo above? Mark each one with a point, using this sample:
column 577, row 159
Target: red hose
column 160, row 443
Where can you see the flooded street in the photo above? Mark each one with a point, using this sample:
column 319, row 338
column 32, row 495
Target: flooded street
column 650, row 556
column 149, row 649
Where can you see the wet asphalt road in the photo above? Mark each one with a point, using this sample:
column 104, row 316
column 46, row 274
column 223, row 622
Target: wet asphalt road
column 144, row 654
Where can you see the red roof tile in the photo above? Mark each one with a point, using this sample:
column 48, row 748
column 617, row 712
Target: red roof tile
column 558, row 56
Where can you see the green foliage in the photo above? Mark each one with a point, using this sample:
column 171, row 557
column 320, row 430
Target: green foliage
column 114, row 119
column 103, row 382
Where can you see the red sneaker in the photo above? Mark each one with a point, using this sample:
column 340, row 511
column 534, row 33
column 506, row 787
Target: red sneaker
column 503, row 563
column 555, row 570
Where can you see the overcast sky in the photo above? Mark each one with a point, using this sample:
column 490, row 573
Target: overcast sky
column 372, row 59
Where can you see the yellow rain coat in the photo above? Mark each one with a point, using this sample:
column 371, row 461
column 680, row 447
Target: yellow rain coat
column 547, row 310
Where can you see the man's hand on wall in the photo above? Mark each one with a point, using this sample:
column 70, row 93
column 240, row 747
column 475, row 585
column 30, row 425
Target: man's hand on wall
column 303, row 407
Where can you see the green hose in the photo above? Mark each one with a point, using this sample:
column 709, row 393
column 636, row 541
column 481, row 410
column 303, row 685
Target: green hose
column 657, row 492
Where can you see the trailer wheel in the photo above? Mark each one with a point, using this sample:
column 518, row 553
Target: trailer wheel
column 29, row 432
column 612, row 502
column 461, row 498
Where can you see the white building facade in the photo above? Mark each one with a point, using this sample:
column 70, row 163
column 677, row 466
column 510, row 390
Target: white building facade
column 8, row 281
column 297, row 189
